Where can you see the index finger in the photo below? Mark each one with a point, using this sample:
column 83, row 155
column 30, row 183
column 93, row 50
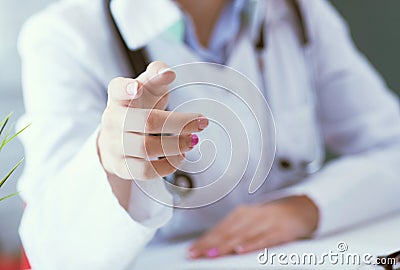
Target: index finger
column 163, row 122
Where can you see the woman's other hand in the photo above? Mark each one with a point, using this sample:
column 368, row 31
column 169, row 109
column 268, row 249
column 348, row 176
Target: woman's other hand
column 253, row 227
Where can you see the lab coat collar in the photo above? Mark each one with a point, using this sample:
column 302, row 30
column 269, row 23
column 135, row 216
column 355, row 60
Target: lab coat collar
column 140, row 21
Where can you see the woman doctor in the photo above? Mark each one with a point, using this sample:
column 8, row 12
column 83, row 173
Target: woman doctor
column 83, row 211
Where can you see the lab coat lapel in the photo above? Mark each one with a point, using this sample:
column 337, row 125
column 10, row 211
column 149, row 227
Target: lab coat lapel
column 140, row 21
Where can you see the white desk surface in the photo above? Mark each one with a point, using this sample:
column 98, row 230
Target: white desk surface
column 378, row 238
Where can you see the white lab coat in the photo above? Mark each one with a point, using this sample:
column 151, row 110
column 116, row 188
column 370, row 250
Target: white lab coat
column 73, row 220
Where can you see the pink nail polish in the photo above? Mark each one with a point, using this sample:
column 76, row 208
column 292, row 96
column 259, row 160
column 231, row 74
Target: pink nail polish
column 202, row 123
column 132, row 89
column 195, row 140
column 212, row 253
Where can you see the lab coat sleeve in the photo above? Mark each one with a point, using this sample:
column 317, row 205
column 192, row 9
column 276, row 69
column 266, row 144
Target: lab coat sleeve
column 72, row 219
column 360, row 120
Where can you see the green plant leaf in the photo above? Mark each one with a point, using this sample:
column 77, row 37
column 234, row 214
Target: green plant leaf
column 6, row 139
column 10, row 173
column 6, row 135
column 9, row 196
column 16, row 134
column 4, row 123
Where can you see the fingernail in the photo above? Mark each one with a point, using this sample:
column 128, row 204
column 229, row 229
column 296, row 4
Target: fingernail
column 202, row 123
column 193, row 254
column 239, row 249
column 195, row 140
column 211, row 253
column 132, row 89
column 163, row 71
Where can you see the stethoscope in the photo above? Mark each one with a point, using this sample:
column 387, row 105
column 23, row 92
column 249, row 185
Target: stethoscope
column 137, row 62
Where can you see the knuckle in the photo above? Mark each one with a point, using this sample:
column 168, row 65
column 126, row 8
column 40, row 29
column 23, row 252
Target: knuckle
column 152, row 121
column 105, row 147
column 155, row 65
column 115, row 82
column 108, row 126
column 124, row 174
column 147, row 146
column 110, row 119
column 120, row 168
column 116, row 148
column 140, row 148
column 136, row 147
column 105, row 119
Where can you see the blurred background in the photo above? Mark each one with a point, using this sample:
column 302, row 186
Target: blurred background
column 374, row 28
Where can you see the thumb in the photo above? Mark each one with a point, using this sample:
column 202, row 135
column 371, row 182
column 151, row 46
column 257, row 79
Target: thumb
column 154, row 90
column 156, row 78
column 148, row 88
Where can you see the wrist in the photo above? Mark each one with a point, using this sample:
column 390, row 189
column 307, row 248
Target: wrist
column 310, row 212
column 303, row 211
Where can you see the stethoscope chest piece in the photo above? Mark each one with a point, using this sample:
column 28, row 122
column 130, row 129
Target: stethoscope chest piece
column 180, row 185
column 183, row 181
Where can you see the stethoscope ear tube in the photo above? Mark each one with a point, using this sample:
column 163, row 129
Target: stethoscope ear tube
column 304, row 37
column 284, row 163
column 137, row 60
